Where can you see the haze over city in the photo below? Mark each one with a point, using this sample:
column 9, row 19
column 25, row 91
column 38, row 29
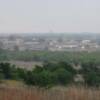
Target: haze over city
column 22, row 16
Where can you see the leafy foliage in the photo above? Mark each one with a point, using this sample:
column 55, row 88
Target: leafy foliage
column 51, row 74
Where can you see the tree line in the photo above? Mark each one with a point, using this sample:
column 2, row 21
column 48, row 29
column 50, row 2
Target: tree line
column 51, row 74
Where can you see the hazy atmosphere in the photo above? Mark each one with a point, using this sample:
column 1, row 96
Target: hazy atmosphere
column 18, row 16
column 49, row 49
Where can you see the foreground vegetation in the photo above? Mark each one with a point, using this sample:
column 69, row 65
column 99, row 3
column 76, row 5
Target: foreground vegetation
column 58, row 70
column 53, row 74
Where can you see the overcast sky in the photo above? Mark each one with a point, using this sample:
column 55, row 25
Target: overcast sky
column 49, row 15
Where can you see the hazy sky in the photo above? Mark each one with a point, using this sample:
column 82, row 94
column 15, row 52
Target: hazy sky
column 49, row 15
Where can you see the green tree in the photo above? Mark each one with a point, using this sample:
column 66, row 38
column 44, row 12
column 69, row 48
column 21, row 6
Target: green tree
column 92, row 79
column 6, row 70
column 62, row 76
column 29, row 78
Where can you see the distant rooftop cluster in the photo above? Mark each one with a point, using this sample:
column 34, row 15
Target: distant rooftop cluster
column 50, row 43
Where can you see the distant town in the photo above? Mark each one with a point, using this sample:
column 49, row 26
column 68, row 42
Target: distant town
column 50, row 43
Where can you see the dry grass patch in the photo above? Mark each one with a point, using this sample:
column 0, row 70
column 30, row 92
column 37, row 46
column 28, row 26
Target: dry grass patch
column 70, row 93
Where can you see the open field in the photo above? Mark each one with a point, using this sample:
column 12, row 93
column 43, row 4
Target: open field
column 70, row 93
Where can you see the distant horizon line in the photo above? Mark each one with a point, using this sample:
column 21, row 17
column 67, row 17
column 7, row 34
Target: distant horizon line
column 3, row 33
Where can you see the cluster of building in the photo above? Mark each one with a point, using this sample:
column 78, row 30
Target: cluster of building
column 51, row 44
column 73, row 45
